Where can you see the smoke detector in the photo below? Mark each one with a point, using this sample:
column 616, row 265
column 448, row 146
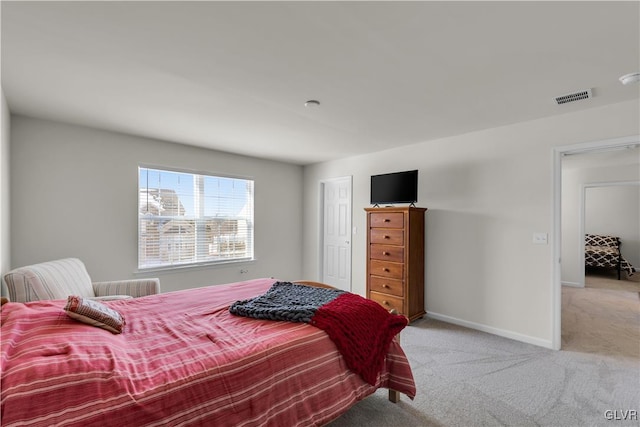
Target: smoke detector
column 630, row 78
column 575, row 96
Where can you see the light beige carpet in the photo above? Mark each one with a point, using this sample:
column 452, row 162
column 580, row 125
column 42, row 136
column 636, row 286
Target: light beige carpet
column 608, row 279
column 602, row 318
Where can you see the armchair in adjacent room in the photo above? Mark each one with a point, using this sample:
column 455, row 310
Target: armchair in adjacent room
column 61, row 278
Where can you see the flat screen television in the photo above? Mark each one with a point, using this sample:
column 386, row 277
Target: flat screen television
column 397, row 187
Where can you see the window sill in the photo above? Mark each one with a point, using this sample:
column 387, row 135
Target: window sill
column 199, row 266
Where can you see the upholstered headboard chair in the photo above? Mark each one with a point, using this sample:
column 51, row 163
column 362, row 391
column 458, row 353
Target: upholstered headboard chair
column 58, row 279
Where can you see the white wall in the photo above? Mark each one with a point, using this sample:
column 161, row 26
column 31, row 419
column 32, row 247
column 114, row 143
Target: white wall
column 74, row 193
column 574, row 182
column 487, row 193
column 5, row 229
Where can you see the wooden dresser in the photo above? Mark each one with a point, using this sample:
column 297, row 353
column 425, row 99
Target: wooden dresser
column 395, row 259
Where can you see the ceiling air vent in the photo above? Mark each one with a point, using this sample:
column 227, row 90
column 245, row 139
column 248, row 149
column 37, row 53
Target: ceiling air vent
column 576, row 96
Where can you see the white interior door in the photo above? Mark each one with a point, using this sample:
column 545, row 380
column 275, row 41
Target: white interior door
column 336, row 233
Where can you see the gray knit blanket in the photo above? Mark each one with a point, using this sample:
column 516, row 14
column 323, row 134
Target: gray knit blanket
column 286, row 301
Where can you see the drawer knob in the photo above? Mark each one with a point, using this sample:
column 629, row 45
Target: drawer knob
column 385, row 269
column 384, row 285
column 387, row 220
column 385, row 253
column 386, row 237
column 385, row 302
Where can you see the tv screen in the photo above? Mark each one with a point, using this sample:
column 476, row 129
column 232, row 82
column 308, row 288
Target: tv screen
column 398, row 187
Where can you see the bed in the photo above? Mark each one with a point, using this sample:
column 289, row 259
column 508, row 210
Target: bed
column 602, row 251
column 182, row 359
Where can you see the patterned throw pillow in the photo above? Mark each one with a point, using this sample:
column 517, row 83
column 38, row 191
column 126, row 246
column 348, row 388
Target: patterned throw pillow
column 598, row 240
column 94, row 313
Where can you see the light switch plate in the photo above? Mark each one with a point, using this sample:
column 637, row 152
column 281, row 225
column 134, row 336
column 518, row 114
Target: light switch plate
column 540, row 238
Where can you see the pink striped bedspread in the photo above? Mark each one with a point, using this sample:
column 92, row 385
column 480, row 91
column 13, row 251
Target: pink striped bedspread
column 182, row 359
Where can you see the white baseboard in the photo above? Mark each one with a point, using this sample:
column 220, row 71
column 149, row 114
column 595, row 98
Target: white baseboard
column 491, row 330
column 572, row 284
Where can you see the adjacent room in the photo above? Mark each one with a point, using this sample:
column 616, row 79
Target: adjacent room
column 600, row 234
column 163, row 161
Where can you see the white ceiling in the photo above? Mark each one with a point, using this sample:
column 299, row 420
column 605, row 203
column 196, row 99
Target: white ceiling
column 234, row 76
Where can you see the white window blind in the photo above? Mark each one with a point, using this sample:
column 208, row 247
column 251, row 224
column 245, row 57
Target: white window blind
column 186, row 218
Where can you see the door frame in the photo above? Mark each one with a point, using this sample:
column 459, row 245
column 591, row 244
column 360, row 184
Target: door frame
column 557, row 154
column 322, row 184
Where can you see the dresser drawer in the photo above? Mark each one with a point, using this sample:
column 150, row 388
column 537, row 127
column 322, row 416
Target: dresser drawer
column 386, row 220
column 387, row 253
column 387, row 301
column 386, row 237
column 394, row 270
column 386, row 285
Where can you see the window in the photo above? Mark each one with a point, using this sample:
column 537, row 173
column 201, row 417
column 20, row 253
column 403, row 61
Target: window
column 186, row 219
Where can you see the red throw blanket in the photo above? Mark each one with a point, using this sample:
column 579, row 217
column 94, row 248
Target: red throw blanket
column 361, row 329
